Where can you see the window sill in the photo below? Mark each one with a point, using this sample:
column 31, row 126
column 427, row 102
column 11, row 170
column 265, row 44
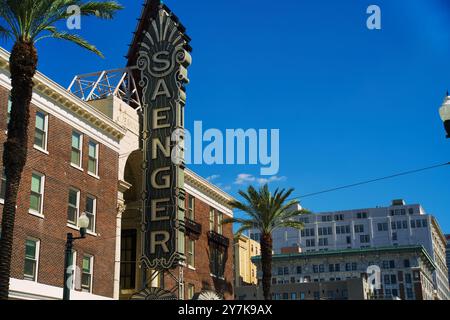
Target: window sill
column 93, row 175
column 192, row 268
column 92, row 233
column 36, row 214
column 2, row 201
column 72, row 226
column 76, row 167
column 41, row 150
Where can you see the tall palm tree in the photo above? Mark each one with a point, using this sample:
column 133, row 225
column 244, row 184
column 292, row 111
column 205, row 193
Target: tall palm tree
column 25, row 22
column 266, row 212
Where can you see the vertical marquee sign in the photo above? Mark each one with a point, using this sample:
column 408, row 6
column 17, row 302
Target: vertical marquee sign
column 163, row 59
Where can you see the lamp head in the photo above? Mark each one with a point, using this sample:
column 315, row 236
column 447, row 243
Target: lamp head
column 83, row 223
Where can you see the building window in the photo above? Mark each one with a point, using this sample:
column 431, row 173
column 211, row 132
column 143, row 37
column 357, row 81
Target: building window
column 286, row 270
column 190, row 291
column 217, row 262
column 40, row 131
column 364, row 238
column 73, row 267
column 37, row 193
column 349, row 240
column 280, row 271
column 2, row 184
column 91, row 210
column 219, row 223
column 8, row 114
column 77, row 141
column 128, row 260
column 359, row 228
column 190, row 253
column 323, row 242
column 408, row 278
column 394, row 236
column 93, row 158
column 212, row 214
column 361, row 215
column 86, row 278
column 383, row 227
column 73, row 208
column 191, row 208
column 409, row 293
column 31, row 259
column 406, row 263
column 299, row 269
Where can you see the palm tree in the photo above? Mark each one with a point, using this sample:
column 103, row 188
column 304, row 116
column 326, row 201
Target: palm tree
column 25, row 22
column 266, row 212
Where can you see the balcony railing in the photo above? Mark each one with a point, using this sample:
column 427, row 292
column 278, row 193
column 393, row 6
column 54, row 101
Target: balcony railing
column 218, row 239
column 192, row 226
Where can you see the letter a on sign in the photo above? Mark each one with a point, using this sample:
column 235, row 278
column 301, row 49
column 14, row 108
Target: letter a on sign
column 374, row 20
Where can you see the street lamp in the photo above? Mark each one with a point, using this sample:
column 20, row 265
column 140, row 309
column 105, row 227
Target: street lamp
column 83, row 224
column 444, row 111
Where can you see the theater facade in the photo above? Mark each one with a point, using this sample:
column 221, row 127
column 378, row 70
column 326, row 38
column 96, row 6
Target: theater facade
column 104, row 146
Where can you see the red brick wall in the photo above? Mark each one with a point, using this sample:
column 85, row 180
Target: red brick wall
column 59, row 177
column 201, row 277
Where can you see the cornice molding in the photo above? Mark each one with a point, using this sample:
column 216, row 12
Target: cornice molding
column 54, row 91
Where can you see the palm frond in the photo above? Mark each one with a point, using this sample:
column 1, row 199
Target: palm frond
column 76, row 39
column 103, row 10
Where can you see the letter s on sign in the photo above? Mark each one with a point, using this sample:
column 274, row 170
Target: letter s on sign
column 164, row 61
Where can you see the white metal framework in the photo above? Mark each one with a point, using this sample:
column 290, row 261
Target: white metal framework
column 99, row 85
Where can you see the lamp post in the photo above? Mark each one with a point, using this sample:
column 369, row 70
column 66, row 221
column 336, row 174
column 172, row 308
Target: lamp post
column 444, row 111
column 83, row 224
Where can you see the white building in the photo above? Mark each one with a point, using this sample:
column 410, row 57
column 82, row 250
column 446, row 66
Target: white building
column 396, row 225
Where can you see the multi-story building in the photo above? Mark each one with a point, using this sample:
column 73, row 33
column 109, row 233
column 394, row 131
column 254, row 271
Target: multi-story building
column 396, row 225
column 404, row 272
column 350, row 289
column 72, row 167
column 244, row 269
column 208, row 247
column 447, row 251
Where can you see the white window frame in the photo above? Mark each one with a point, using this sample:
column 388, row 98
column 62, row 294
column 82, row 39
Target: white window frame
column 45, row 149
column 219, row 222
column 8, row 112
column 39, row 213
column 77, row 215
column 38, row 250
column 97, row 150
column 80, row 166
column 94, row 227
column 74, row 269
column 191, row 211
column 91, row 272
column 192, row 255
column 212, row 214
column 2, row 180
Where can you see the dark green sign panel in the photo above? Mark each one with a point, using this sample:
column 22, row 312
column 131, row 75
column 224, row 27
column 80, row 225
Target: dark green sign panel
column 162, row 62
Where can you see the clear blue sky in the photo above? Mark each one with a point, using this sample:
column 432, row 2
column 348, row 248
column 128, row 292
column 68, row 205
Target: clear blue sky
column 351, row 104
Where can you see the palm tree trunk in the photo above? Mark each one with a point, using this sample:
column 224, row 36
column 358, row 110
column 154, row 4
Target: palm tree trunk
column 23, row 63
column 266, row 261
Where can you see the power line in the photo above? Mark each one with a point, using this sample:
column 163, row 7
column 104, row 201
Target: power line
column 372, row 181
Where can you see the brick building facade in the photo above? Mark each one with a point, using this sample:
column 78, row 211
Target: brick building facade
column 54, row 173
